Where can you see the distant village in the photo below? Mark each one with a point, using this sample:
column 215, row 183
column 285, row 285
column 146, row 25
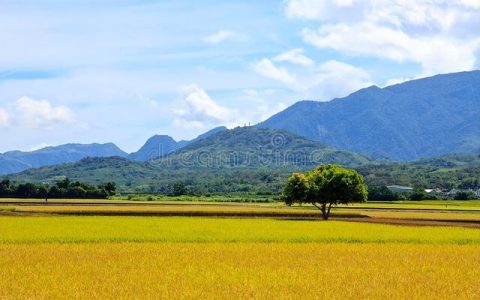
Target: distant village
column 434, row 192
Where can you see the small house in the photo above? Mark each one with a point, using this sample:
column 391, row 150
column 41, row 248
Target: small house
column 400, row 188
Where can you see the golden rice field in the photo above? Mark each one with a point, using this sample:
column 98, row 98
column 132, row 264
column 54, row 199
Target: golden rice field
column 53, row 256
column 468, row 211
column 239, row 271
column 100, row 229
column 166, row 209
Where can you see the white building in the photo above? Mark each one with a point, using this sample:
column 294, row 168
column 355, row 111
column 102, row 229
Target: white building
column 400, row 188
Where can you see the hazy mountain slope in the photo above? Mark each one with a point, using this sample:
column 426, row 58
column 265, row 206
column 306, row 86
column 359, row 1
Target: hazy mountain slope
column 243, row 159
column 11, row 165
column 160, row 145
column 205, row 135
column 16, row 161
column 257, row 147
column 445, row 172
column 417, row 119
column 156, row 146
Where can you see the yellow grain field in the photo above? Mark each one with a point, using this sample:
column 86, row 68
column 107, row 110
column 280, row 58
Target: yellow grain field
column 239, row 271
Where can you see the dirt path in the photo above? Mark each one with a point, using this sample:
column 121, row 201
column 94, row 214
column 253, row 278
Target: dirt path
column 411, row 222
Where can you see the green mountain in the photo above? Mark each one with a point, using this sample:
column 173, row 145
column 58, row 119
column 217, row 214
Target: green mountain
column 253, row 147
column 17, row 161
column 445, row 172
column 240, row 160
column 155, row 147
column 417, row 119
column 253, row 160
column 161, row 145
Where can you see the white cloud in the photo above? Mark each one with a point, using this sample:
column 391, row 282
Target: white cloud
column 441, row 36
column 265, row 103
column 295, row 56
column 471, row 3
column 394, row 81
column 334, row 79
column 40, row 113
column 315, row 9
column 267, row 68
column 40, row 146
column 4, row 118
column 371, row 40
column 324, row 81
column 220, row 36
column 198, row 110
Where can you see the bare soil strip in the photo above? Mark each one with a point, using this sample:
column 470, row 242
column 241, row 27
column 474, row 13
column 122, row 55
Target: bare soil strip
column 410, row 222
column 275, row 215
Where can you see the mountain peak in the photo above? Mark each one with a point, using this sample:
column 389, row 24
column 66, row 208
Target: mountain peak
column 416, row 119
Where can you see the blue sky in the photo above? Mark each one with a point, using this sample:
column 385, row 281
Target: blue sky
column 121, row 71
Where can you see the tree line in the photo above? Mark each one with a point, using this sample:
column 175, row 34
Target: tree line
column 382, row 193
column 61, row 189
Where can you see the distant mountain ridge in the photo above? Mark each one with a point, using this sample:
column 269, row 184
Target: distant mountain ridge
column 161, row 145
column 17, row 161
column 227, row 158
column 259, row 147
column 157, row 146
column 417, row 119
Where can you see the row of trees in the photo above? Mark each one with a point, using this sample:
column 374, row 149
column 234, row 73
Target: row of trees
column 382, row 193
column 62, row 189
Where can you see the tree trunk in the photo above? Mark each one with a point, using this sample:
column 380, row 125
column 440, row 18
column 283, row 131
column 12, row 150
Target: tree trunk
column 324, row 209
column 325, row 213
column 329, row 208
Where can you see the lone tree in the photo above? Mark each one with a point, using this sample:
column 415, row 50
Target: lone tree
column 324, row 187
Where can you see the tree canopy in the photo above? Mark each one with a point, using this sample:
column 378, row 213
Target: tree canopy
column 324, row 187
column 62, row 189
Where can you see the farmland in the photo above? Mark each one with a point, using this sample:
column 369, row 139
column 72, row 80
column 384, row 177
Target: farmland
column 82, row 250
column 239, row 270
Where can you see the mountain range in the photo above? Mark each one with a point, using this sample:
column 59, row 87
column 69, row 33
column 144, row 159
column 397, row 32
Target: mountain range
column 155, row 147
column 160, row 145
column 417, row 119
column 260, row 163
column 244, row 158
column 17, row 161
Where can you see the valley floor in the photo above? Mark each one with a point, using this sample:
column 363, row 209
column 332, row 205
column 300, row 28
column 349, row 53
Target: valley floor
column 48, row 253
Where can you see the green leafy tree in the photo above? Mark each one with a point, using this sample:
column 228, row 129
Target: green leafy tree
column 418, row 194
column 465, row 195
column 5, row 188
column 26, row 190
column 325, row 187
column 110, row 188
column 179, row 189
column 42, row 192
column 381, row 193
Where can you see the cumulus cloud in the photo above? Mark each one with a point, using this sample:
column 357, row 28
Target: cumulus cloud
column 400, row 31
column 295, row 56
column 334, row 79
column 220, row 36
column 471, row 3
column 319, row 9
column 265, row 103
column 4, row 118
column 267, row 68
column 198, row 110
column 41, row 113
column 323, row 81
